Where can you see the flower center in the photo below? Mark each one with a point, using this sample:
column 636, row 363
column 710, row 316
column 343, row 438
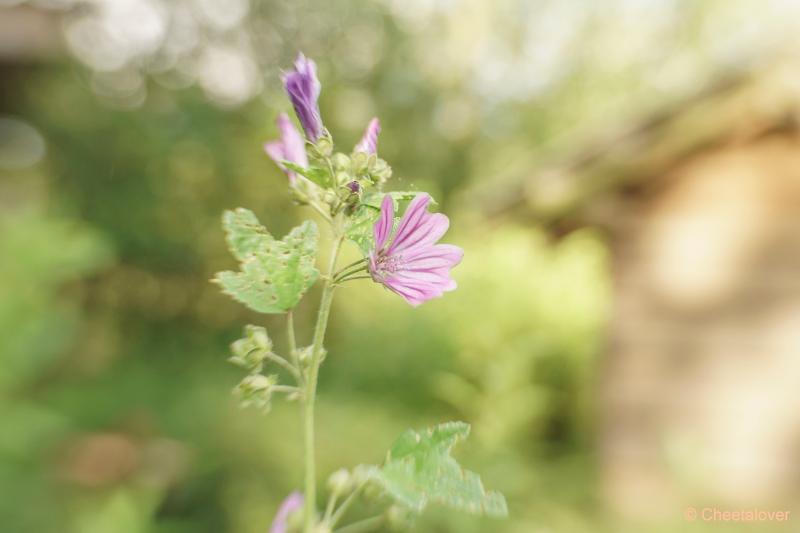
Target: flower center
column 387, row 264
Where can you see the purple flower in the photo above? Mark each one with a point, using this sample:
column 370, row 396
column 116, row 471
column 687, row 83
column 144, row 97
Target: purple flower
column 413, row 265
column 303, row 88
column 369, row 142
column 290, row 147
column 292, row 503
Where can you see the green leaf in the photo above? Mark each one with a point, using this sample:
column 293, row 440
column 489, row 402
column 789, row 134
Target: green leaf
column 274, row 273
column 374, row 199
column 319, row 175
column 359, row 227
column 419, row 470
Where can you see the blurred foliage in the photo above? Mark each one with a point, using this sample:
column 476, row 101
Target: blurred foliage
column 114, row 389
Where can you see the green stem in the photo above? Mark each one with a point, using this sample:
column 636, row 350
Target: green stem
column 311, row 387
column 345, row 506
column 319, row 210
column 330, row 507
column 360, row 263
column 368, row 524
column 290, row 337
column 285, row 388
column 277, row 359
column 352, row 277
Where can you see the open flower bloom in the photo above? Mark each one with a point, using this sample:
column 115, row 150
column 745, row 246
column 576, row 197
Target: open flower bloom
column 290, row 147
column 303, row 89
column 411, row 264
column 291, row 504
column 369, row 142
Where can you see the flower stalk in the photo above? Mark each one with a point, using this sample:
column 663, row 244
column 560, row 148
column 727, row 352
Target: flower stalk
column 309, row 514
column 401, row 253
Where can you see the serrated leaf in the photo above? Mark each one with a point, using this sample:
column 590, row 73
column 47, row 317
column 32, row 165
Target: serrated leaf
column 420, row 470
column 243, row 233
column 359, row 227
column 274, row 273
column 319, row 175
column 374, row 199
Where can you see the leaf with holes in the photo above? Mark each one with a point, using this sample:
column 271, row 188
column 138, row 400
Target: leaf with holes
column 359, row 227
column 274, row 273
column 420, row 470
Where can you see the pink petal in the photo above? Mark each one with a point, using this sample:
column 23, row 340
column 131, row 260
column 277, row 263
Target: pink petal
column 291, row 504
column 412, row 217
column 293, row 144
column 413, row 295
column 435, row 256
column 383, row 227
column 274, row 150
column 369, row 142
column 430, row 229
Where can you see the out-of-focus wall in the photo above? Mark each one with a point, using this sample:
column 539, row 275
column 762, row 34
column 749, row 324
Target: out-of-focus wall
column 701, row 388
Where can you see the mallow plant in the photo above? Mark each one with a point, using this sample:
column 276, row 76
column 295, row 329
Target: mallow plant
column 400, row 250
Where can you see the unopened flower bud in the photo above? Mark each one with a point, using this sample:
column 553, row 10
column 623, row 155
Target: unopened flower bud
column 324, row 146
column 255, row 391
column 380, row 170
column 340, row 161
column 354, row 187
column 250, row 351
column 360, row 161
column 258, row 336
column 340, row 481
column 361, row 474
column 398, row 518
column 304, row 355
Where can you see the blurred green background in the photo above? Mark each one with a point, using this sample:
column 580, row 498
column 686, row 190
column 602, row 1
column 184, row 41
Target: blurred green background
column 128, row 126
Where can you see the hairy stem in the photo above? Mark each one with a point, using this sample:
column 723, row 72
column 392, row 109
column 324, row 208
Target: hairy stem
column 291, row 339
column 311, row 386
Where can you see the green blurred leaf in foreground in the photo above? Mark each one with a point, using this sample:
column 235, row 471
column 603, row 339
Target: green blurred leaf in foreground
column 419, row 470
column 274, row 273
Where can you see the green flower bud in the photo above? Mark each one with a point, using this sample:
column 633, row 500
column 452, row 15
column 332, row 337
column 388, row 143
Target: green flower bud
column 324, row 146
column 250, row 351
column 340, row 482
column 380, row 170
column 259, row 337
column 304, row 355
column 255, row 391
column 343, row 178
column 398, row 518
column 360, row 161
column 340, row 161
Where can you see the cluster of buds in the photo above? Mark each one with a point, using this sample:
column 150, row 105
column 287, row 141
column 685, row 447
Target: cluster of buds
column 250, row 352
column 329, row 181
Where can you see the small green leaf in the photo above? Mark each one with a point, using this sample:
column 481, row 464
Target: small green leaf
column 374, row 199
column 420, row 470
column 319, row 175
column 359, row 227
column 274, row 274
